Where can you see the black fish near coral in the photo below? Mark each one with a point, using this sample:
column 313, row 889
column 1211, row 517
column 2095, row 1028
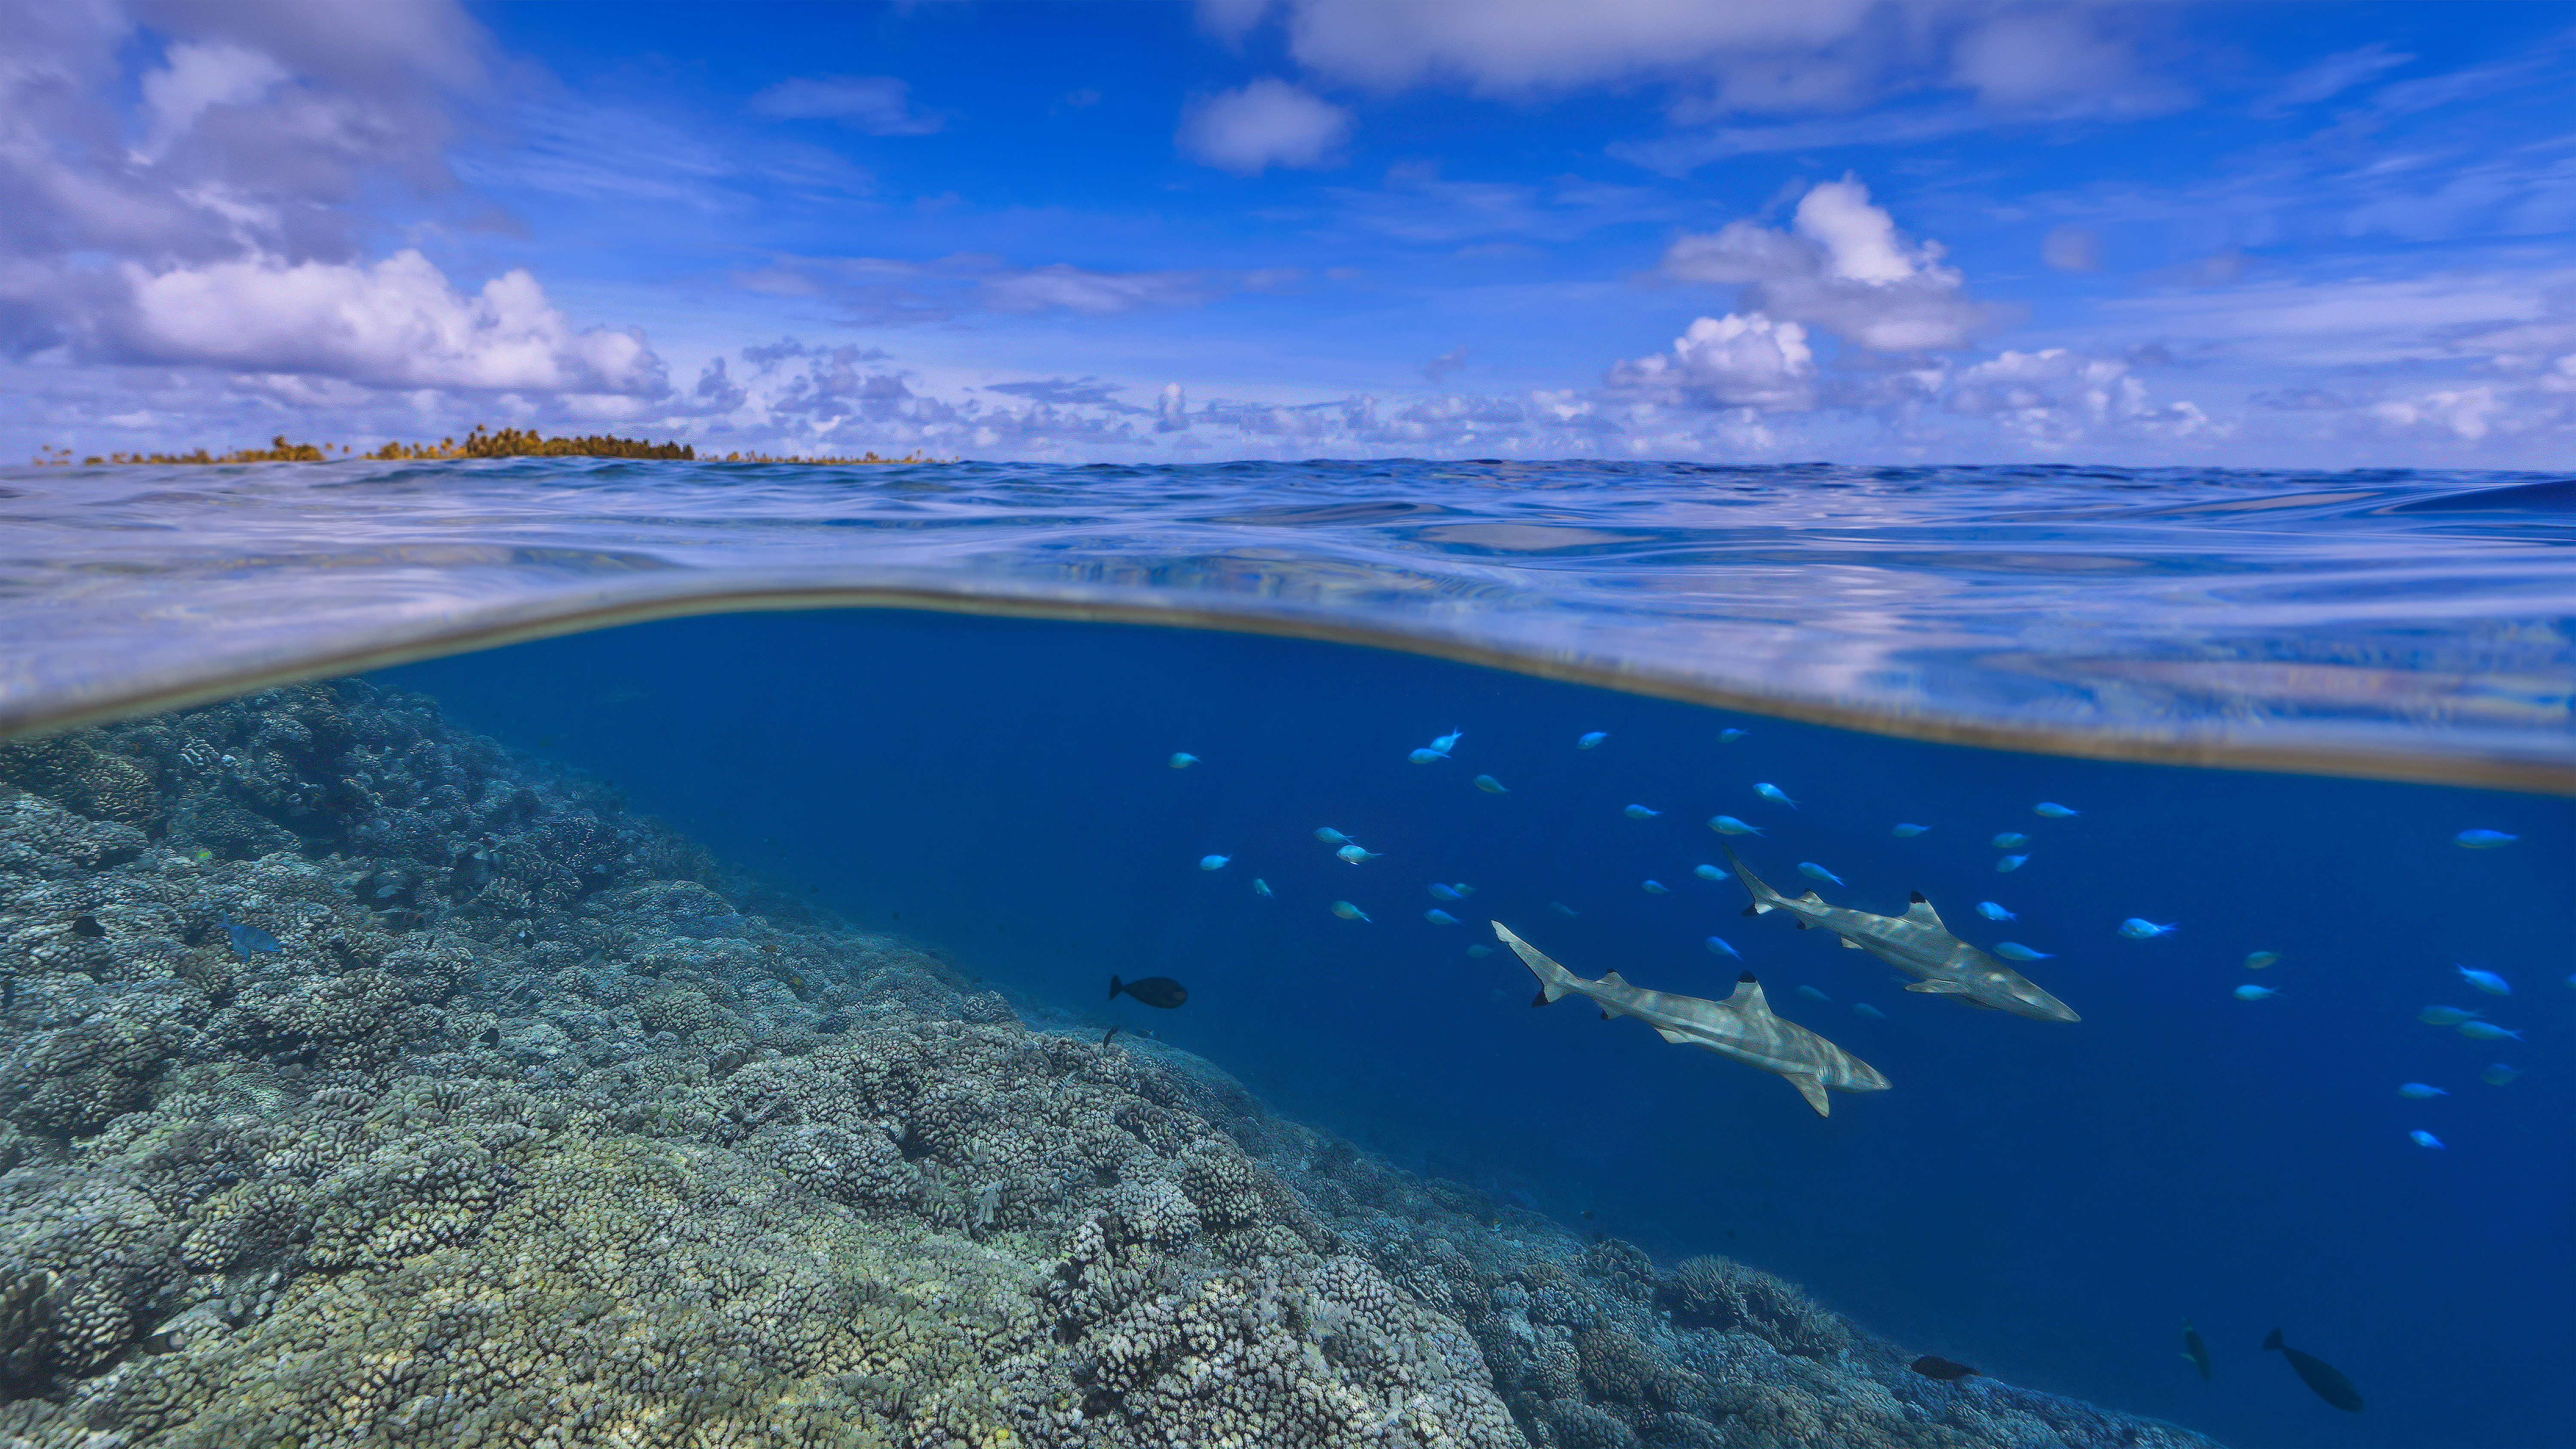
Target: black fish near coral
column 1160, row 991
column 2193, row 1349
column 1933, row 1366
column 87, row 927
column 2327, row 1380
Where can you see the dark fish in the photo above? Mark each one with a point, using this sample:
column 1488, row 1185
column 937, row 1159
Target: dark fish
column 247, row 939
column 1587, row 1213
column 87, row 926
column 2194, row 1349
column 2317, row 1374
column 1105, row 1036
column 1160, row 991
column 1941, row 1368
column 491, row 1036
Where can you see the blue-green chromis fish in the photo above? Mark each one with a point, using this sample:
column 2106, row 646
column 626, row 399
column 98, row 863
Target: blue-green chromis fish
column 1585, row 742
column 2498, row 1074
column 1424, row 757
column 1441, row 892
column 1639, row 812
column 2418, row 1091
column 2483, row 839
column 2257, row 960
column 1728, row 737
column 2142, row 930
column 2254, row 993
column 2445, row 1015
column 1355, row 853
column 1445, row 743
column 1813, row 871
column 2016, row 951
column 2486, row 981
column 1993, row 912
column 1562, row 909
column 1716, row 944
column 1657, row 888
column 1773, row 793
column 1729, row 825
column 1330, row 836
column 1909, row 830
column 1260, row 887
column 2487, row 1031
column 2053, row 810
column 2010, row 862
column 1182, row 762
column 2010, row 841
column 1349, row 912
column 1810, row 991
column 2422, row 1138
column 1709, row 872
column 1490, row 785
column 1872, row 1012
column 1439, row 917
column 1213, row 862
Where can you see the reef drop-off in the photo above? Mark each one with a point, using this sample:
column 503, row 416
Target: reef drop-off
column 541, row 1126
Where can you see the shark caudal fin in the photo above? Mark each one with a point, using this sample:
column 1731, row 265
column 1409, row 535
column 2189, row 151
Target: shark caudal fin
column 1764, row 898
column 2273, row 1342
column 1554, row 981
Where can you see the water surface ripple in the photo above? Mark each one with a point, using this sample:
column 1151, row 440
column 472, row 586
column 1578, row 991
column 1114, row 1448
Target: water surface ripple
column 2402, row 624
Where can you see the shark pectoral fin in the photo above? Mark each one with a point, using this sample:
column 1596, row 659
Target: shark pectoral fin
column 1811, row 1089
column 1677, row 1038
column 1939, row 988
column 1851, row 945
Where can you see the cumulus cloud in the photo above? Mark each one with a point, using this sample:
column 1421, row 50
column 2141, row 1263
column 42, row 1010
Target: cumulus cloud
column 880, row 105
column 396, row 324
column 2055, row 397
column 1727, row 362
column 2072, row 249
column 1841, row 266
column 895, row 292
column 1438, row 369
column 1267, row 123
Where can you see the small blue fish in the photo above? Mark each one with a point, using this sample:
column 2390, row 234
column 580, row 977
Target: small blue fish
column 1260, row 887
column 247, row 939
column 2009, row 841
column 2487, row 1031
column 2257, row 960
column 2498, row 1074
column 1182, row 762
column 1463, row 889
column 1441, row 892
column 1639, row 812
column 1490, row 785
column 2422, row 1138
column 1349, row 912
column 1909, row 830
column 2444, row 1016
column 1330, row 836
column 1424, row 757
column 1480, row 950
column 2053, row 810
column 1728, row 737
column 1993, row 912
column 1774, row 794
column 1213, row 862
column 1585, row 742
column 1716, row 944
column 1813, row 871
column 1729, row 825
column 1708, row 872
column 1439, row 917
column 2486, row 981
column 1355, row 853
column 1872, row 1012
column 1445, row 743
column 2483, row 839
column 1810, row 991
column 1657, row 888
column 2142, row 930
column 2254, row 993
column 2016, row 951
column 2420, row 1092
column 1561, row 908
column 2010, row 862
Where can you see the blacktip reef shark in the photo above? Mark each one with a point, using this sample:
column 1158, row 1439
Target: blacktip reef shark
column 1741, row 1026
column 1915, row 942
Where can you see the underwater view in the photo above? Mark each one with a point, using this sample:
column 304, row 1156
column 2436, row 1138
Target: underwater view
column 586, row 952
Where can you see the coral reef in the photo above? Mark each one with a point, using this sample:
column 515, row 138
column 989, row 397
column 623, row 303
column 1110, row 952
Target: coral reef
column 535, row 1127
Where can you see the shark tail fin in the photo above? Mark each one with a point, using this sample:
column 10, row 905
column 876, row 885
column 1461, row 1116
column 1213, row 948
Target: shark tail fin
column 2273, row 1342
column 1554, row 981
column 1764, row 898
column 1811, row 1089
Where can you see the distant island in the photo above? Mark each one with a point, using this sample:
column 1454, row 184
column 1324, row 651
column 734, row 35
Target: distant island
column 480, row 443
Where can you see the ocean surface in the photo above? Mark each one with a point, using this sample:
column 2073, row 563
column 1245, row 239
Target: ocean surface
column 1053, row 724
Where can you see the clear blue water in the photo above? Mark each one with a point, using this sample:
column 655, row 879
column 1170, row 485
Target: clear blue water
column 2047, row 1201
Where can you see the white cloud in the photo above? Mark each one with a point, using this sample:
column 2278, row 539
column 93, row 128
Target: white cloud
column 195, row 78
column 2053, row 398
column 1842, row 266
column 2466, row 413
column 1059, row 287
column 1267, row 123
column 2331, row 76
column 2072, row 249
column 2058, row 61
column 880, row 105
column 397, row 324
column 1727, row 362
column 1518, row 45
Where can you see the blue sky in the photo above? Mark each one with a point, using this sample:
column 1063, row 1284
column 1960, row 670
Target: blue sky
column 2254, row 235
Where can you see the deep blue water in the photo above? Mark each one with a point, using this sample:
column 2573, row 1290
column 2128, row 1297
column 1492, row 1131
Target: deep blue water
column 2046, row 1201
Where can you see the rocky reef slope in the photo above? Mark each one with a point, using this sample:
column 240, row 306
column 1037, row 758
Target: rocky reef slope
column 366, row 1083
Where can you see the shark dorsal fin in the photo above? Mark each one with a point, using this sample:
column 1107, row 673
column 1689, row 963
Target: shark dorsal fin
column 1922, row 914
column 1613, row 979
column 1811, row 899
column 1748, row 997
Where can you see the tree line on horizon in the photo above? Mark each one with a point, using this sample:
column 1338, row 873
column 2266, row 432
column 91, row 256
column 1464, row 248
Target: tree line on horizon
column 483, row 442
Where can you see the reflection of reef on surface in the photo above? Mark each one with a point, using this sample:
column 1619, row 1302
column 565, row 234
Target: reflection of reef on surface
column 538, row 1121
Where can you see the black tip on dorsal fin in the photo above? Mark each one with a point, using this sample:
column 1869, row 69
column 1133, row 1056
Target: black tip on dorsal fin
column 1918, row 898
column 1746, row 979
column 1605, row 1013
column 1541, row 998
column 1752, row 910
